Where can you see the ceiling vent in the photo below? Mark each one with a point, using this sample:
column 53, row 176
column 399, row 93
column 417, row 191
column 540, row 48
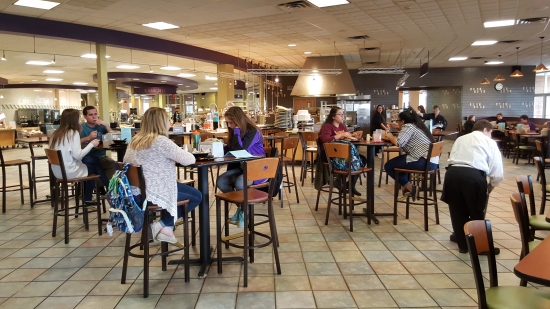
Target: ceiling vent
column 526, row 21
column 359, row 37
column 294, row 5
column 369, row 55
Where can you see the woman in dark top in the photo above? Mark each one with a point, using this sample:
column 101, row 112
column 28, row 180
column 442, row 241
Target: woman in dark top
column 378, row 120
column 469, row 124
column 421, row 109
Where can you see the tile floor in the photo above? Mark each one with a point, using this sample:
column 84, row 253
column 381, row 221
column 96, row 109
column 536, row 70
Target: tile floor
column 376, row 266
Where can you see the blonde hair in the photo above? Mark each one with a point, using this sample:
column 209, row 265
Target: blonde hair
column 69, row 121
column 153, row 124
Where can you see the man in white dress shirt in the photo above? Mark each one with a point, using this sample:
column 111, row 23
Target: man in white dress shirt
column 474, row 157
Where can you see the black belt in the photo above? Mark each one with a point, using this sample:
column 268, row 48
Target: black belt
column 463, row 165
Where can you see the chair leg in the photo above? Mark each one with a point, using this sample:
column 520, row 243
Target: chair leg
column 66, row 211
column 4, row 190
column 287, row 178
column 317, row 201
column 381, row 169
column 145, row 243
column 55, row 200
column 21, row 185
column 395, row 194
column 186, row 242
column 219, row 233
column 193, row 229
column 125, row 259
column 329, row 198
column 350, row 195
column 274, row 235
column 425, row 189
column 436, row 209
column 295, row 184
column 251, row 232
column 33, row 175
column 303, row 168
column 311, row 167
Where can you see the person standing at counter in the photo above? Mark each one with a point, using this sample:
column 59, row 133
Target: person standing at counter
column 378, row 120
column 438, row 120
column 95, row 128
column 176, row 117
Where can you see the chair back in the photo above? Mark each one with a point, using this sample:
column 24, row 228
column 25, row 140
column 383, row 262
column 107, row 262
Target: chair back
column 55, row 158
column 281, row 134
column 436, row 149
column 2, row 160
column 539, row 163
column 135, row 177
column 205, row 136
column 479, row 237
column 337, row 150
column 306, row 137
column 265, row 168
column 522, row 217
column 525, row 186
column 540, row 149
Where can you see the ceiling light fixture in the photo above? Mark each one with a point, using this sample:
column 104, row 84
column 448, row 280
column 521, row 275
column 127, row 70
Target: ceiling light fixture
column 160, row 25
column 307, row 53
column 37, row 62
column 485, row 81
column 186, row 74
column 93, row 56
column 325, row 3
column 80, row 83
column 37, row 4
column 457, row 58
column 540, row 68
column 493, row 62
column 53, row 71
column 517, row 72
column 54, row 79
column 211, row 77
column 483, row 43
column 127, row 66
column 170, row 68
column 214, row 88
column 3, row 56
column 499, row 23
column 291, row 45
column 499, row 78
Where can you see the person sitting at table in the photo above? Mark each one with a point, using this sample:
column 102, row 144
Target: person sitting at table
column 497, row 134
column 67, row 139
column 243, row 135
column 437, row 120
column 414, row 139
column 500, row 120
column 157, row 154
column 469, row 124
column 334, row 129
column 421, row 109
column 96, row 128
column 523, row 119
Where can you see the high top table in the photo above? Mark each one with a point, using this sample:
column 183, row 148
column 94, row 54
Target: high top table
column 534, row 267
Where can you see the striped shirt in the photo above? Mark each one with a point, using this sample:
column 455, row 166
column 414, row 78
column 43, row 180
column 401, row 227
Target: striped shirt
column 415, row 143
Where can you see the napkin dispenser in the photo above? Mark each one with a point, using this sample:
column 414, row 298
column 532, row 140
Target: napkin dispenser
column 215, row 148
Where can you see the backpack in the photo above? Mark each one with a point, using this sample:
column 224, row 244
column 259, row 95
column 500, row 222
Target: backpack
column 341, row 164
column 125, row 213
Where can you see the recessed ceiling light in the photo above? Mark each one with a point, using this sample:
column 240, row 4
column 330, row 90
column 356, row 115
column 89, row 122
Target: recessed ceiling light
column 499, row 23
column 325, row 3
column 211, row 77
column 54, row 79
column 307, row 53
column 111, row 79
column 481, row 43
column 34, row 80
column 160, row 25
column 170, row 68
column 494, row 62
column 37, row 4
column 291, row 45
column 93, row 56
column 186, row 75
column 136, row 79
column 35, row 62
column 180, row 84
column 21, row 82
column 53, row 71
column 213, row 88
column 128, row 66
column 187, row 86
column 163, row 81
column 80, row 83
column 457, row 58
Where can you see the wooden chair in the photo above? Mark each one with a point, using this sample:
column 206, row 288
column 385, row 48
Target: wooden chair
column 423, row 176
column 136, row 179
column 340, row 150
column 307, row 150
column 521, row 149
column 19, row 187
column 545, row 189
column 540, row 148
column 479, row 238
column 522, row 218
column 35, row 157
column 265, row 168
column 290, row 143
column 61, row 195
column 388, row 153
column 535, row 221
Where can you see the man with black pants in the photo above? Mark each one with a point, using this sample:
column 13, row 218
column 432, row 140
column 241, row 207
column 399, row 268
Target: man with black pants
column 474, row 157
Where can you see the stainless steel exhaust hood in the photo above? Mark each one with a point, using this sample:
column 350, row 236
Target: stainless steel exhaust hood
column 324, row 85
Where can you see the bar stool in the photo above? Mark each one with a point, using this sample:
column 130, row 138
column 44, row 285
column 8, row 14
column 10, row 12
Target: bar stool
column 422, row 176
column 307, row 150
column 61, row 195
column 19, row 187
column 35, row 179
column 290, row 143
column 388, row 153
column 135, row 178
column 542, row 151
column 519, row 148
column 265, row 168
column 343, row 151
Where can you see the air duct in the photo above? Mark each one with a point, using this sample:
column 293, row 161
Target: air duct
column 324, row 85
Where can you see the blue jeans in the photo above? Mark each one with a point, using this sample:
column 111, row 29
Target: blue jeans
column 231, row 180
column 185, row 192
column 94, row 167
column 401, row 162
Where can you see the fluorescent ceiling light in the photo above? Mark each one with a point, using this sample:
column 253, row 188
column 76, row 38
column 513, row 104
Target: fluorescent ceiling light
column 136, row 79
column 291, row 45
column 211, row 77
column 37, row 4
column 186, row 75
column 180, row 84
column 481, row 43
column 163, row 81
column 111, row 79
column 34, row 62
column 494, row 62
column 214, row 88
column 457, row 58
column 170, row 68
column 34, row 80
column 499, row 23
column 307, row 53
column 54, row 79
column 128, row 66
column 93, row 56
column 53, row 71
column 160, row 25
column 80, row 83
column 324, row 3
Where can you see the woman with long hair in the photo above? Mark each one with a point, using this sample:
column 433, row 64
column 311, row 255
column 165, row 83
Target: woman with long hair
column 157, row 154
column 414, row 139
column 243, row 135
column 378, row 120
column 67, row 139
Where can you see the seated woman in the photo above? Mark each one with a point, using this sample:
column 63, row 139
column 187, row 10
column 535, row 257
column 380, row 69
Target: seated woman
column 334, row 129
column 414, row 139
column 243, row 135
column 469, row 124
column 67, row 139
column 157, row 154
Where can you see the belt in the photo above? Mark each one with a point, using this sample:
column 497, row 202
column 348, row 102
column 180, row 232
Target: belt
column 468, row 166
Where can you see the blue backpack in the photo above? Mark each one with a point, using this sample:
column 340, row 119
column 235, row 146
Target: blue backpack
column 126, row 214
column 341, row 164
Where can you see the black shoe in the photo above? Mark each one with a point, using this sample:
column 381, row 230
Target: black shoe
column 102, row 190
column 355, row 192
column 462, row 250
column 413, row 193
column 452, row 237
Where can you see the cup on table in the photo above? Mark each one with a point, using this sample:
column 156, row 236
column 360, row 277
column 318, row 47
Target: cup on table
column 367, row 138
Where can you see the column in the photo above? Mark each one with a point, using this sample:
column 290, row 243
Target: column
column 102, row 82
column 261, row 102
column 226, row 89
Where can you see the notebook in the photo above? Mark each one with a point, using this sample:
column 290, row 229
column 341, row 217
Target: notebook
column 239, row 154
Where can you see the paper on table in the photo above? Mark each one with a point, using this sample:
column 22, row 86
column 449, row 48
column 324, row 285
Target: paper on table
column 239, row 154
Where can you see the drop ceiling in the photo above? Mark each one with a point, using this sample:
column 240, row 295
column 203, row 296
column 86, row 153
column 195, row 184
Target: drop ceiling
column 404, row 31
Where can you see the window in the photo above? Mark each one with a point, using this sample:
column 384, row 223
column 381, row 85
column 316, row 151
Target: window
column 542, row 96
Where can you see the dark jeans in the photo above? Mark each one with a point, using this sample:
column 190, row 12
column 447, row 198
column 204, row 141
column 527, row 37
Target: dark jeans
column 231, row 180
column 94, row 168
column 185, row 192
column 401, row 162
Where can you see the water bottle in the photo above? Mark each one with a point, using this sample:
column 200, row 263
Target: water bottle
column 109, row 229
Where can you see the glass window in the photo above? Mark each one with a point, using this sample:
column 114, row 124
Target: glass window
column 406, row 99
column 540, row 83
column 539, row 107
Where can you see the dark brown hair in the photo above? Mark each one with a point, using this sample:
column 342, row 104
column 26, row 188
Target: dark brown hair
column 482, row 124
column 237, row 115
column 410, row 116
column 69, row 121
column 332, row 113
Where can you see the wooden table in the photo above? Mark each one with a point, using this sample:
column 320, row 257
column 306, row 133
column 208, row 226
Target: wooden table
column 439, row 134
column 119, row 149
column 534, row 267
column 204, row 209
column 7, row 137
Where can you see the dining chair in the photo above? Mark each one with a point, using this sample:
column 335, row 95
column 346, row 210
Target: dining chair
column 388, row 153
column 18, row 187
column 36, row 157
column 522, row 218
column 479, row 237
column 525, row 186
column 291, row 144
column 546, row 161
column 306, row 138
column 521, row 148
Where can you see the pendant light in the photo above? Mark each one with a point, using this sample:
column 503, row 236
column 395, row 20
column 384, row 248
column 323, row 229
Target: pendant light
column 485, row 81
column 517, row 73
column 498, row 78
column 540, row 68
